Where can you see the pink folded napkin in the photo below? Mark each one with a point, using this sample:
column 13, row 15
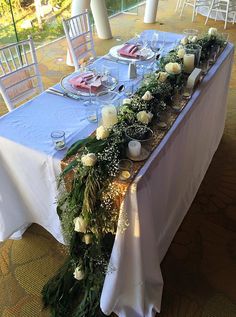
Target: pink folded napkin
column 129, row 50
column 85, row 81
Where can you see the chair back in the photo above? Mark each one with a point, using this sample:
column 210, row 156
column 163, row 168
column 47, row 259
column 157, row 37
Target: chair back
column 79, row 37
column 19, row 75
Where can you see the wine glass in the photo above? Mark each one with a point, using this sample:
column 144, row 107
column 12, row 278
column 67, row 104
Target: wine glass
column 91, row 107
column 162, row 43
column 154, row 42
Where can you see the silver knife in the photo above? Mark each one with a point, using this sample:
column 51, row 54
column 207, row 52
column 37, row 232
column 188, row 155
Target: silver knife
column 115, row 60
column 61, row 93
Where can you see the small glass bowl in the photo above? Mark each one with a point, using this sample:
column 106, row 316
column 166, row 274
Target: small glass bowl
column 142, row 135
column 125, row 170
column 190, row 32
column 139, row 133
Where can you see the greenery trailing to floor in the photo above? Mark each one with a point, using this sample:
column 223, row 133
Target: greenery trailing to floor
column 88, row 206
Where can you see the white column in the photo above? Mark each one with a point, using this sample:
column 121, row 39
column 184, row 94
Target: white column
column 100, row 16
column 150, row 11
column 78, row 6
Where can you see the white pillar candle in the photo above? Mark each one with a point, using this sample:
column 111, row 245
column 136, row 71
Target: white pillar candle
column 189, row 63
column 109, row 116
column 134, row 148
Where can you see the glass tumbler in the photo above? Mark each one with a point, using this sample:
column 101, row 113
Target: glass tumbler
column 58, row 139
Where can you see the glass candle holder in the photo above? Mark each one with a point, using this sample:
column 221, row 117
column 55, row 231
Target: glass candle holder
column 125, row 170
column 58, row 139
column 196, row 50
column 109, row 116
column 134, row 148
column 138, row 137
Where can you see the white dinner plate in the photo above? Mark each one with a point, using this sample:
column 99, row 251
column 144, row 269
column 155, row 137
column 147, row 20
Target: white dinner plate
column 148, row 54
column 109, row 84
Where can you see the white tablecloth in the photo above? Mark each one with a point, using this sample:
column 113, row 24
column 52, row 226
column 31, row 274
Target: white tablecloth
column 29, row 164
column 161, row 195
column 155, row 203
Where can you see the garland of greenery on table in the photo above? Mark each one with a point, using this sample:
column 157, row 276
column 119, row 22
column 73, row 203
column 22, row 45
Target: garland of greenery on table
column 88, row 210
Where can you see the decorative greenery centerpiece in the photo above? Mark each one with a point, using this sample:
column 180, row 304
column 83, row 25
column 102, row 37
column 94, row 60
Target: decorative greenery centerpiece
column 88, row 205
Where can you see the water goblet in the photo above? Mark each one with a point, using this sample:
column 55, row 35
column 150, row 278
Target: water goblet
column 91, row 106
column 154, row 42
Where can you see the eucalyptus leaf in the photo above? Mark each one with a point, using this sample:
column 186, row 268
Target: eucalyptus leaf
column 79, row 144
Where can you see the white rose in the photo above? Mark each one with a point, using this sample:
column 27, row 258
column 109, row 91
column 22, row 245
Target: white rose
column 162, row 76
column 89, row 159
column 144, row 117
column 184, row 41
column 127, row 101
column 173, row 68
column 181, row 53
column 78, row 274
column 194, row 39
column 212, row 31
column 147, row 96
column 80, row 224
column 102, row 133
column 190, row 38
column 176, row 68
column 88, row 238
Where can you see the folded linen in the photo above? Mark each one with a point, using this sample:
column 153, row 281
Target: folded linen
column 129, row 50
column 85, row 81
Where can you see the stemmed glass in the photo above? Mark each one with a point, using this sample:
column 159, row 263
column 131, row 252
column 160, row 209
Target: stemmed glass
column 154, row 43
column 91, row 103
column 162, row 43
column 91, row 107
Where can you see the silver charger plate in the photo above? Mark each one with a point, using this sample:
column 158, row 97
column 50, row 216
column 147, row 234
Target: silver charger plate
column 108, row 83
column 149, row 54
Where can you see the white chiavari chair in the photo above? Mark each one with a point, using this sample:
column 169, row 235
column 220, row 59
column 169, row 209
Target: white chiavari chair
column 178, row 5
column 222, row 6
column 79, row 37
column 195, row 4
column 19, row 74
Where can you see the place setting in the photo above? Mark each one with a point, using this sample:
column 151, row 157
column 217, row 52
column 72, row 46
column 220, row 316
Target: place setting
column 88, row 83
column 135, row 50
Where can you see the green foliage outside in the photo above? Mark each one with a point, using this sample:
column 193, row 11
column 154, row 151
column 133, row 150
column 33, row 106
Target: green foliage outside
column 24, row 10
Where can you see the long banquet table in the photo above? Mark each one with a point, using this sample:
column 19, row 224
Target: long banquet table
column 155, row 203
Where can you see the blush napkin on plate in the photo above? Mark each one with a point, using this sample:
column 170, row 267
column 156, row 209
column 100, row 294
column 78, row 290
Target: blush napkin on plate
column 85, row 81
column 129, row 50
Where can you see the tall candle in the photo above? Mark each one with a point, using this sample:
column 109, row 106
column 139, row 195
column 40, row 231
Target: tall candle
column 189, row 63
column 109, row 116
column 134, row 148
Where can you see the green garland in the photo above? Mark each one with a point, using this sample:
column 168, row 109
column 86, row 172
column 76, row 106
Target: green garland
column 88, row 211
